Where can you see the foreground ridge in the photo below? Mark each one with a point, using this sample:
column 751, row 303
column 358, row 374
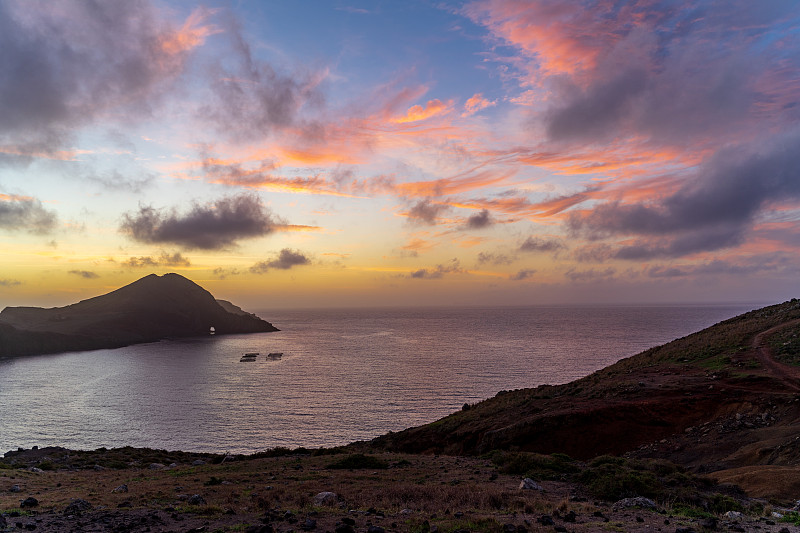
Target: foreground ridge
column 719, row 401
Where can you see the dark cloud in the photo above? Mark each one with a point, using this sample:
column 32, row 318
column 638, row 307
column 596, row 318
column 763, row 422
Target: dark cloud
column 712, row 211
column 286, row 259
column 589, row 275
column 64, row 65
column 172, row 260
column 495, row 259
column 211, row 226
column 21, row 213
column 9, row 282
column 594, row 253
column 250, row 99
column 521, row 275
column 716, row 268
column 223, row 273
column 480, row 220
column 454, row 266
column 86, row 274
column 538, row 244
column 426, row 212
column 596, row 112
column 655, row 74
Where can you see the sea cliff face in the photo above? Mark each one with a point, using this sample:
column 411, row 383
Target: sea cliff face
column 150, row 309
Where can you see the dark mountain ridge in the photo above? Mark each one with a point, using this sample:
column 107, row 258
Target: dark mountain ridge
column 149, row 309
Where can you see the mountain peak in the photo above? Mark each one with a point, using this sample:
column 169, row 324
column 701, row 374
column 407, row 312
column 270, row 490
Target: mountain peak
column 151, row 308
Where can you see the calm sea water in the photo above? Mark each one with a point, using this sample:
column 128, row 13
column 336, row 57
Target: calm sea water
column 346, row 375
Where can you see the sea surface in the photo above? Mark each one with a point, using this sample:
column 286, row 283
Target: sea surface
column 345, row 375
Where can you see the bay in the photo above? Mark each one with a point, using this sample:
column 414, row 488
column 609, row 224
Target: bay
column 346, row 375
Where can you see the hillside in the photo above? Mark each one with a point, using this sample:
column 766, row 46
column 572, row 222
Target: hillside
column 149, row 309
column 721, row 400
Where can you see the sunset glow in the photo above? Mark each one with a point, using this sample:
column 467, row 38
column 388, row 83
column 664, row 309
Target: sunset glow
column 409, row 153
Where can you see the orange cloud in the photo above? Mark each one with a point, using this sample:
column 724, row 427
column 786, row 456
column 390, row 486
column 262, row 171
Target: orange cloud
column 476, row 103
column 464, row 182
column 193, row 33
column 417, row 113
column 418, row 245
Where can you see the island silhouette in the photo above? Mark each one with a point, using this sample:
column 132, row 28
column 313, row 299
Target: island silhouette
column 147, row 310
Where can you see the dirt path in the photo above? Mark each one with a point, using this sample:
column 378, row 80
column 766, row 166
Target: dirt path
column 790, row 375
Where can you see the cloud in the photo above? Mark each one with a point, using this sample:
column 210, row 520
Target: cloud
column 709, row 212
column 521, row 275
column 719, row 267
column 495, row 259
column 648, row 70
column 211, row 226
column 476, row 103
column 418, row 113
column 86, row 274
column 480, row 220
column 223, row 273
column 250, row 100
column 116, row 181
column 596, row 113
column 426, row 212
column 164, row 260
column 68, row 64
column 9, row 282
column 286, row 259
column 538, row 244
column 22, row 213
column 590, row 275
column 454, row 266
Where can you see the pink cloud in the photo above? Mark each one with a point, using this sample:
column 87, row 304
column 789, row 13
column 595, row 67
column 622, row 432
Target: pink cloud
column 476, row 103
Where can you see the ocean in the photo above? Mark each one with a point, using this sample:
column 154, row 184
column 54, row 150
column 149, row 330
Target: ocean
column 346, row 375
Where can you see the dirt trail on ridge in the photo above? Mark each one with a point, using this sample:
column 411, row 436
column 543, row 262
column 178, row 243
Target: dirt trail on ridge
column 790, row 375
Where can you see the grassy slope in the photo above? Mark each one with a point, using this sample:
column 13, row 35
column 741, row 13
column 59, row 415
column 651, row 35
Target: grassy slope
column 709, row 380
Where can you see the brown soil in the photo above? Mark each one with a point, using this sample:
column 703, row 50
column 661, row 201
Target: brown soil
column 416, row 493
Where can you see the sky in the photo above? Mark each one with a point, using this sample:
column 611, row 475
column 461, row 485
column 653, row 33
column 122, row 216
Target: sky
column 383, row 153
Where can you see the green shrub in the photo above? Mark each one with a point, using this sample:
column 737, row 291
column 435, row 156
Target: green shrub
column 534, row 465
column 359, row 460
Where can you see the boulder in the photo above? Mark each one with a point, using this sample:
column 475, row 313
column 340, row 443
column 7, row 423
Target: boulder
column 529, row 484
column 77, row 507
column 120, row 489
column 326, row 499
column 30, row 501
column 15, row 488
column 196, row 499
column 638, row 501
